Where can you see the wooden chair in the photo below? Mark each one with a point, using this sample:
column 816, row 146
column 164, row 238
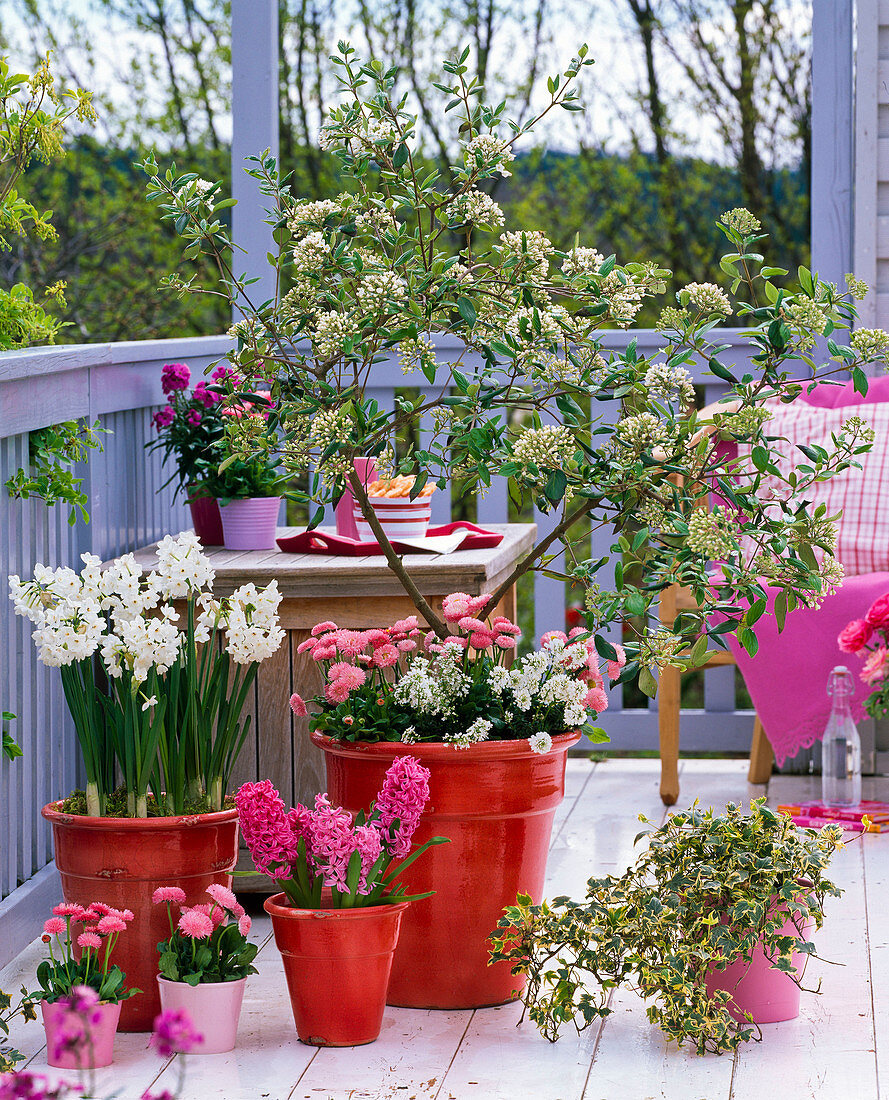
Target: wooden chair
column 673, row 600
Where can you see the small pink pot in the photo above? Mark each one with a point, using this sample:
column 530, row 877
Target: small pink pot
column 250, row 524
column 98, row 1052
column 757, row 987
column 214, row 1008
column 366, row 468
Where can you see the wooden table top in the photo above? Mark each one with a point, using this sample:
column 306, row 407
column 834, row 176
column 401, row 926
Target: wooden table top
column 300, row 575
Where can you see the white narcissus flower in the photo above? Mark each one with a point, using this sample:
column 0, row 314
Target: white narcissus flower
column 251, row 623
column 182, row 567
column 152, row 702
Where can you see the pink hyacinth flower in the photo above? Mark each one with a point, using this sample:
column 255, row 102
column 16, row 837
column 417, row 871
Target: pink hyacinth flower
column 266, row 828
column 403, row 798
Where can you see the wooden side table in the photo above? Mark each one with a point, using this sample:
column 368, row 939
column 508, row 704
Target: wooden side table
column 357, row 593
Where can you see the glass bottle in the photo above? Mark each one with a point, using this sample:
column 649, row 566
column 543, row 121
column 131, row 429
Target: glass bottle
column 841, row 746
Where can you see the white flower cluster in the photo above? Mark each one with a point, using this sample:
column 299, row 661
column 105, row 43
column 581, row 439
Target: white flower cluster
column 182, row 567
column 662, row 380
column 474, row 208
column 582, row 261
column 375, row 291
column 535, row 326
column 741, row 220
column 659, row 647
column 805, row 315
column 433, row 688
column 747, row 422
column 375, row 220
column 624, row 296
column 858, row 288
column 250, row 616
column 640, row 432
column 374, row 132
column 707, row 298
column 478, row 731
column 416, row 353
column 310, row 214
column 492, row 151
column 541, row 680
column 540, row 743
column 310, row 253
column 869, row 343
column 551, row 446
column 672, row 319
column 140, row 644
column 533, row 248
column 332, row 329
column 709, row 533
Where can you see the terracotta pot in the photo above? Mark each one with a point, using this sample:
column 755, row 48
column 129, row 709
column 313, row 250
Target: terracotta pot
column 496, row 801
column 214, row 1008
column 250, row 524
column 337, row 964
column 98, row 1052
column 122, row 860
column 757, row 987
column 206, row 520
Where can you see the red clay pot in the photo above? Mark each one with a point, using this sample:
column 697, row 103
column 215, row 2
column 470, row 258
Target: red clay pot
column 122, row 860
column 337, row 964
column 496, row 801
column 206, row 520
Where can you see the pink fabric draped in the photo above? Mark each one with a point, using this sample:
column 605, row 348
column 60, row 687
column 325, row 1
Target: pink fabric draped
column 787, row 679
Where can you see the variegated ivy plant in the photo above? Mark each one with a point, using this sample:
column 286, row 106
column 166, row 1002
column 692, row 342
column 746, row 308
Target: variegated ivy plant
column 710, row 889
column 603, row 438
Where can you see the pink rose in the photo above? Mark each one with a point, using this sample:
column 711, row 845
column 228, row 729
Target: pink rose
column 876, row 666
column 855, row 636
column 878, row 614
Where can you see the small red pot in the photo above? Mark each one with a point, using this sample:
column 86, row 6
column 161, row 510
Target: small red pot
column 206, row 520
column 121, row 861
column 495, row 801
column 337, row 964
column 97, row 1052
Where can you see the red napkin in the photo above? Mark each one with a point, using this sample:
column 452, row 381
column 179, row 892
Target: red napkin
column 321, row 542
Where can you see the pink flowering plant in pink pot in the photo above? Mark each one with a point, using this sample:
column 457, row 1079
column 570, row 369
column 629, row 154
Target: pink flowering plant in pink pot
column 80, row 940
column 208, row 942
column 868, row 638
column 403, row 684
column 357, row 859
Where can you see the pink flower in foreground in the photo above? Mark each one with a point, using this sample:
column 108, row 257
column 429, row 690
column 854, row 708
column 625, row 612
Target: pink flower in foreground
column 596, row 699
column 403, row 626
column 266, row 828
column 331, row 841
column 369, row 845
column 876, row 667
column 308, row 644
column 376, row 638
column 481, row 639
column 505, row 641
column 336, row 692
column 110, row 924
column 244, row 924
column 90, row 940
column 350, row 642
column 324, row 653
column 614, row 667
column 221, row 894
column 553, row 635
column 298, row 705
column 878, row 613
column 215, row 912
column 174, row 894
column 456, row 639
column 100, row 909
column 468, row 623
column 195, row 924
column 174, row 1033
column 455, row 606
column 402, row 798
column 406, row 645
column 477, row 604
column 323, row 628
column 21, row 1085
column 855, row 636
column 68, row 909
column 385, row 656
column 55, row 925
column 503, row 626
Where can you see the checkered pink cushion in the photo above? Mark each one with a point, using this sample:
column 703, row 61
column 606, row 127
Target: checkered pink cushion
column 862, row 495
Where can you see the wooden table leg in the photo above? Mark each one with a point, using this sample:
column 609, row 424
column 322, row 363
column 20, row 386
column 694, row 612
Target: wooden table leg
column 668, row 728
column 762, row 755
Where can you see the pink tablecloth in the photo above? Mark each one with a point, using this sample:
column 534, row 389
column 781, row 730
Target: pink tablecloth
column 787, row 679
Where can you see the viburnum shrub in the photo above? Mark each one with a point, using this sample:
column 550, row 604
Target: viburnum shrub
column 403, row 684
column 709, row 890
column 357, row 859
column 605, row 438
column 205, row 945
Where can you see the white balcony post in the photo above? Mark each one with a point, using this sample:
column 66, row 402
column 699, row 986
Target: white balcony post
column 254, row 129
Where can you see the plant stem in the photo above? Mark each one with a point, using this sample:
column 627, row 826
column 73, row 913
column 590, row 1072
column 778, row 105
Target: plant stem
column 93, row 801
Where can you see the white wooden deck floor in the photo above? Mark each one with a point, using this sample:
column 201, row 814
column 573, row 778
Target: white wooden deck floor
column 838, row 1049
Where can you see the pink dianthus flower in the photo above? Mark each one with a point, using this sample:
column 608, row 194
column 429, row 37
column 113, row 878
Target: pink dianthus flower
column 468, row 623
column 308, row 644
column 403, row 626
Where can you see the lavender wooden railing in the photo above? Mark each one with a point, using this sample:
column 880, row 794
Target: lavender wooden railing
column 119, row 385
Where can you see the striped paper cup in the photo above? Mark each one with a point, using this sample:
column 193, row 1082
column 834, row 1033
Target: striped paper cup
column 400, row 517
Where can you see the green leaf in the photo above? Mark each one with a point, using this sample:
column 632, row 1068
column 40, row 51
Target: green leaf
column 647, row 682
column 604, row 648
column 466, row 310
column 555, row 486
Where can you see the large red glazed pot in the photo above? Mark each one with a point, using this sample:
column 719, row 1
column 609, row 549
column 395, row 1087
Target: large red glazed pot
column 122, row 860
column 337, row 964
column 496, row 801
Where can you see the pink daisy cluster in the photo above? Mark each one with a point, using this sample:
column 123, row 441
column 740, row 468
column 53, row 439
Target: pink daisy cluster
column 329, row 834
column 100, row 921
column 198, row 922
column 461, row 611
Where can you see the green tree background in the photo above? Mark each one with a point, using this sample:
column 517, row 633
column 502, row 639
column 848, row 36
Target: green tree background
column 707, row 106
